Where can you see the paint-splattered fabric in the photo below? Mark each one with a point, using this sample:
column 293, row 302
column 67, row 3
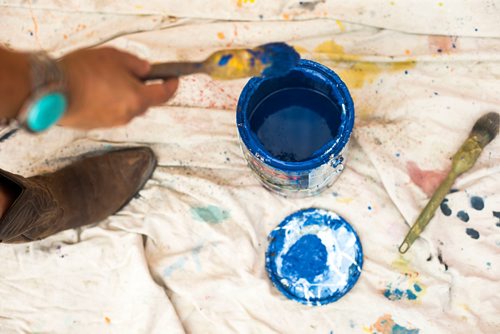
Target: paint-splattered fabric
column 187, row 255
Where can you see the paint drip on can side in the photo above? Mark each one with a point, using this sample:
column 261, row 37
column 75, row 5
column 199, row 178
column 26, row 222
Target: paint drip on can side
column 295, row 129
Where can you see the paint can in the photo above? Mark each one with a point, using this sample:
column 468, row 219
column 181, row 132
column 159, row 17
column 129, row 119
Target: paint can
column 294, row 129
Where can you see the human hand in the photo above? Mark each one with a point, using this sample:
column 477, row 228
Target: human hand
column 105, row 88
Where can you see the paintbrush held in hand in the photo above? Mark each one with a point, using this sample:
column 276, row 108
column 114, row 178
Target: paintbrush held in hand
column 267, row 60
column 483, row 132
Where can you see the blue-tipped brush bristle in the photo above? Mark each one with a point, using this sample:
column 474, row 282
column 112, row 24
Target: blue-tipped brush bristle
column 281, row 57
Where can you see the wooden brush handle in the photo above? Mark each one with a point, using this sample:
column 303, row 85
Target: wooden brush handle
column 426, row 215
column 168, row 70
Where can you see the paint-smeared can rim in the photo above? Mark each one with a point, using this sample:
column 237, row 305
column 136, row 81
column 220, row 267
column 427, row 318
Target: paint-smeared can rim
column 332, row 243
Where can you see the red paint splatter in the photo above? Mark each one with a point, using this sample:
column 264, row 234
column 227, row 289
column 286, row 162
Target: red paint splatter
column 427, row 180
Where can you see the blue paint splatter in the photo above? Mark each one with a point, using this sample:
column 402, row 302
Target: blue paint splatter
column 496, row 214
column 398, row 155
column 398, row 294
column 179, row 264
column 369, row 208
column 225, row 59
column 209, row 214
column 411, row 295
column 472, row 233
column 463, row 216
column 397, row 329
column 308, row 247
column 477, row 202
column 395, row 294
column 445, row 209
column 453, row 190
column 196, row 258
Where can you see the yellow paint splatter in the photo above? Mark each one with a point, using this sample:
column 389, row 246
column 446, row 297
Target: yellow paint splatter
column 440, row 4
column 386, row 325
column 286, row 16
column 235, row 63
column 220, row 35
column 300, row 49
column 392, row 3
column 341, row 25
column 240, row 3
column 344, row 200
column 352, row 69
column 139, row 7
column 108, row 320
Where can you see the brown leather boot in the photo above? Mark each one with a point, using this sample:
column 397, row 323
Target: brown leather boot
column 82, row 193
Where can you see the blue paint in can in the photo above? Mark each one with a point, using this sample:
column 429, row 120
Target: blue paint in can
column 295, row 128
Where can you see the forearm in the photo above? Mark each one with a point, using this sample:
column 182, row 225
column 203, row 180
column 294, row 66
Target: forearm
column 14, row 82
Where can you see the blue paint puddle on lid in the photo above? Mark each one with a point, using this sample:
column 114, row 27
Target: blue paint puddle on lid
column 477, row 203
column 294, row 123
column 314, row 257
column 463, row 216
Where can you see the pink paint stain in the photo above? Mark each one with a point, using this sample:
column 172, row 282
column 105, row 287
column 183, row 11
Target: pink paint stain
column 427, row 180
column 442, row 44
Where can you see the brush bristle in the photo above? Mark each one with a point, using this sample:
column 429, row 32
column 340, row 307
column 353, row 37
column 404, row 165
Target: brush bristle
column 281, row 56
column 486, row 128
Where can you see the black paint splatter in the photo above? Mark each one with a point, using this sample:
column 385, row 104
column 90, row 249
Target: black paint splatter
column 8, row 135
column 496, row 214
column 472, row 233
column 463, row 216
column 453, row 190
column 310, row 5
column 440, row 258
column 445, row 209
column 477, row 202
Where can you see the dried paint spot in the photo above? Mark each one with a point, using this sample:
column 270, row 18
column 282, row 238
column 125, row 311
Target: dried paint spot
column 496, row 214
column 340, row 25
column 463, row 216
column 441, row 43
column 225, row 59
column 179, row 264
column 477, row 203
column 407, row 285
column 220, row 35
column 445, row 209
column 472, row 233
column 108, row 320
column 351, row 68
column 240, row 3
column 386, row 325
column 209, row 214
column 427, row 180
